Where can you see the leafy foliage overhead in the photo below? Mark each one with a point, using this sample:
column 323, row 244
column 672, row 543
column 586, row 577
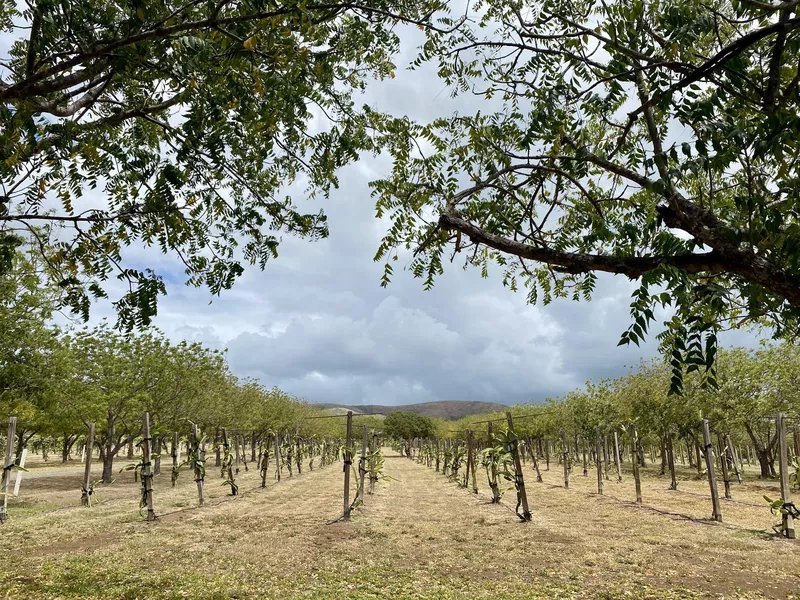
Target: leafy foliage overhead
column 179, row 125
column 653, row 139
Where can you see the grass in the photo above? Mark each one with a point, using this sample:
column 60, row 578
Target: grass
column 420, row 536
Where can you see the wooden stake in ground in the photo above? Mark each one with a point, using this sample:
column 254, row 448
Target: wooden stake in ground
column 520, row 480
column 473, row 466
column 787, row 520
column 585, row 461
column 616, row 457
column 86, row 492
column 227, row 463
column 712, row 476
column 362, row 465
column 218, row 459
column 147, row 470
column 599, row 461
column 565, row 460
column 734, row 457
column 348, row 460
column 372, row 475
column 535, row 461
column 723, row 461
column 635, row 460
column 199, row 465
column 175, row 442
column 9, row 464
column 277, row 457
column 670, row 449
column 18, row 480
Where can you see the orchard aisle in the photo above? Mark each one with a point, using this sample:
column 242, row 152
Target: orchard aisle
column 435, row 532
column 418, row 536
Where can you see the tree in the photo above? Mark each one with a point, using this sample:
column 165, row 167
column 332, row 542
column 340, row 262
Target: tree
column 658, row 141
column 30, row 352
column 405, row 425
column 185, row 121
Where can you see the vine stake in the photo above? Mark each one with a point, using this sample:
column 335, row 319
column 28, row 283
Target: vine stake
column 86, row 492
column 712, row 476
column 523, row 496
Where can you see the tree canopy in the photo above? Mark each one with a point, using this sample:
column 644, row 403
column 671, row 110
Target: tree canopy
column 180, row 125
column 654, row 140
column 404, row 425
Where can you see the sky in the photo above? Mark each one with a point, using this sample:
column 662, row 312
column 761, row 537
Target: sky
column 317, row 324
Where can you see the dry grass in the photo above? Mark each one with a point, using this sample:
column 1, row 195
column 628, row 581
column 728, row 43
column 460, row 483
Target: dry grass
column 420, row 536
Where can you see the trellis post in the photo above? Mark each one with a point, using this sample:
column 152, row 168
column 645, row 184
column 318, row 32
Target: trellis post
column 635, row 459
column 723, row 461
column 734, row 457
column 565, row 459
column 599, row 460
column 372, row 475
column 147, row 470
column 348, row 460
column 362, row 464
column 712, row 476
column 9, row 460
column 86, row 492
column 783, row 464
column 523, row 496
column 277, row 456
column 472, row 467
column 175, row 442
column 199, row 469
column 616, row 457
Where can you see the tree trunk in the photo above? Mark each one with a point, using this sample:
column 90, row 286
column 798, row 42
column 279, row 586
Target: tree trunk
column 764, row 453
column 108, row 455
column 66, row 446
column 108, row 464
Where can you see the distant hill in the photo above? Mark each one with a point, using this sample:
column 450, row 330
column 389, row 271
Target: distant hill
column 450, row 410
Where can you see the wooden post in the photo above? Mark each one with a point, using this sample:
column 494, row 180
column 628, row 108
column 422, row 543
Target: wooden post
column 9, row 463
column 585, row 461
column 235, row 447
column 86, row 492
column 372, row 475
column 599, row 461
column 348, row 460
column 18, row 480
column 175, row 465
column 723, row 461
column 734, row 458
column 635, row 460
column 277, row 457
column 520, row 481
column 199, row 470
column 535, row 460
column 616, row 457
column 218, row 459
column 606, row 456
column 565, row 460
column 362, row 464
column 472, row 466
column 670, row 450
column 147, row 470
column 712, row 476
column 547, row 455
column 783, row 464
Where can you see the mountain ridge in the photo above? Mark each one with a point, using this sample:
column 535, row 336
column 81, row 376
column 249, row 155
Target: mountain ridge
column 449, row 410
